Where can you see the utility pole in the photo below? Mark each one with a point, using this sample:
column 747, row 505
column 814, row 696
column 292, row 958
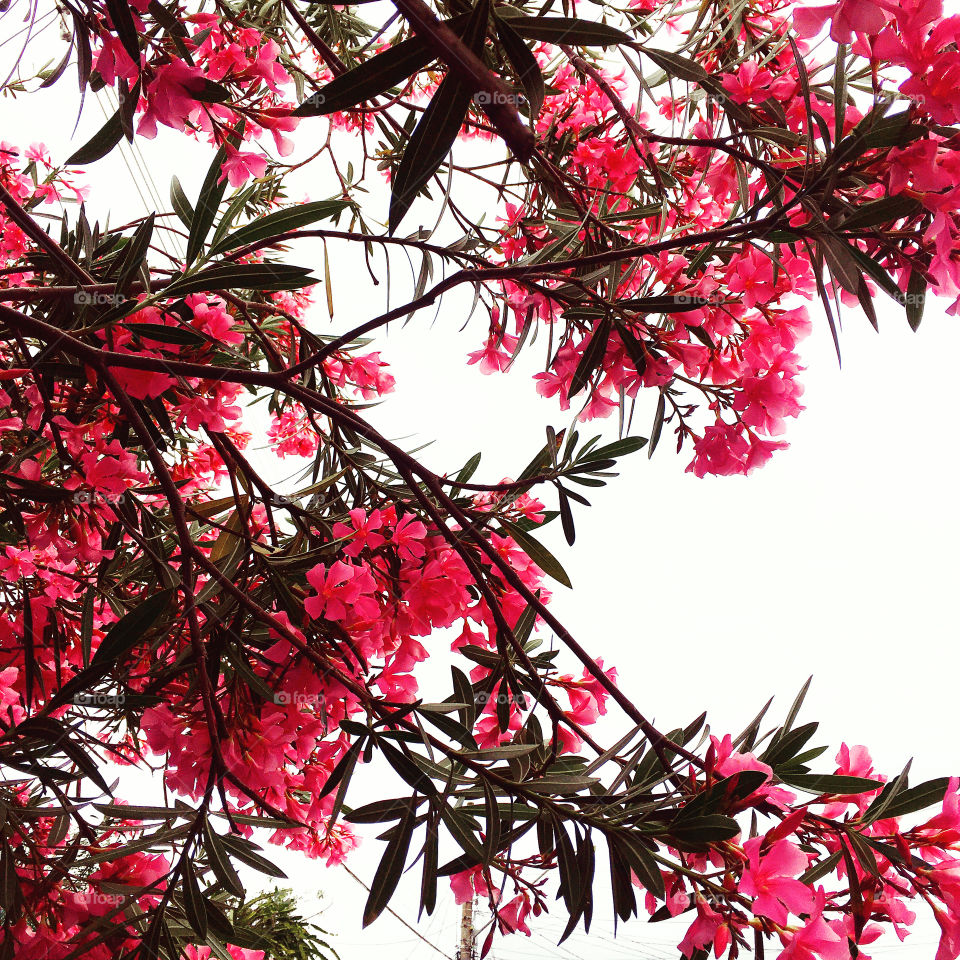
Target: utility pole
column 465, row 946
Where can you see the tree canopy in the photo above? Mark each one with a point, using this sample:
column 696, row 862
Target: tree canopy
column 660, row 198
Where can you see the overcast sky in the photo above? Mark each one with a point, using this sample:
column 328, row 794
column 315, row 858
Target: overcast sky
column 839, row 558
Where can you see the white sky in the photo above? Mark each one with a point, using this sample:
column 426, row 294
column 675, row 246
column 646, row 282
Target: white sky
column 839, row 558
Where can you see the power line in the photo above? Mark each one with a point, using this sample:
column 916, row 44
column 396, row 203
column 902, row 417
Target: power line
column 397, row 916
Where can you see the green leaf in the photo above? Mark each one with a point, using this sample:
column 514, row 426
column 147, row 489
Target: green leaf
column 785, row 746
column 843, row 266
column 468, row 469
column 132, row 811
column 180, row 203
column 220, row 863
column 126, row 29
column 586, row 33
column 639, row 859
column 437, row 129
column 407, row 769
column 428, row 882
column 375, row 76
column 658, row 421
column 524, row 64
column 210, row 92
column 130, row 629
column 538, row 553
column 592, row 358
column 683, row 68
column 621, row 886
column 619, row 448
column 100, row 144
column 839, row 92
column 566, row 517
column 379, row 811
column 246, row 276
column 914, row 799
column 724, row 792
column 699, row 833
column 135, row 252
column 244, row 850
column 831, row 784
column 877, row 212
column 193, row 901
column 464, row 830
column 211, row 193
column 389, row 871
column 665, row 304
column 863, row 852
column 916, row 294
column 281, row 221
column 796, row 705
column 820, row 869
column 182, row 336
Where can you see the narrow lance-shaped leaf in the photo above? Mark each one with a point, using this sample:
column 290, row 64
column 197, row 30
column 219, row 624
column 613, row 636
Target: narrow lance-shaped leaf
column 375, row 76
column 126, row 29
column 130, row 628
column 586, row 33
column 524, row 63
column 100, row 144
column 281, row 221
column 388, row 873
column 437, row 130
column 211, row 193
column 538, row 553
column 592, row 357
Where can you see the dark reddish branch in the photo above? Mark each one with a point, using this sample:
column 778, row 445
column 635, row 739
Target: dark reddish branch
column 212, row 715
column 636, row 129
column 41, row 238
column 503, row 628
column 403, row 460
column 336, row 65
column 468, row 67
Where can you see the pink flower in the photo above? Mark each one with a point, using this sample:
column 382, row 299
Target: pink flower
column 512, row 916
column 239, row 167
column 492, row 358
column 361, row 531
column 943, row 829
column 816, row 939
column 728, row 762
column 8, row 696
column 470, row 883
column 705, row 930
column 143, row 384
column 169, row 97
column 949, row 946
column 15, row 563
column 408, row 536
column 342, row 589
column 749, row 83
column 770, row 879
column 848, row 16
